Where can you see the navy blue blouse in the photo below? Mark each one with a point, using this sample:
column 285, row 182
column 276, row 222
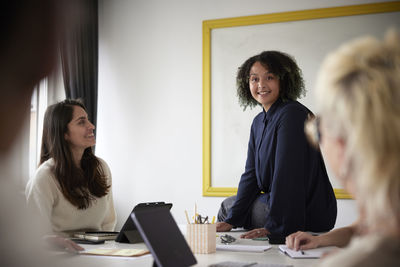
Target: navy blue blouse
column 291, row 173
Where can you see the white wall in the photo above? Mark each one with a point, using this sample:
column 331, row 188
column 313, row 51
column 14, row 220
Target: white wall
column 150, row 98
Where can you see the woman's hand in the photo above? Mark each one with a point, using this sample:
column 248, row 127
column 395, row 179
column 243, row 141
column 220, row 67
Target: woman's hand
column 301, row 240
column 60, row 242
column 223, row 227
column 259, row 232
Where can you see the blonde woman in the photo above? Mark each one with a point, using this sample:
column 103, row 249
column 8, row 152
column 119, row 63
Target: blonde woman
column 358, row 91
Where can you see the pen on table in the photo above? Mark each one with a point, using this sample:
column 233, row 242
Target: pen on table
column 187, row 217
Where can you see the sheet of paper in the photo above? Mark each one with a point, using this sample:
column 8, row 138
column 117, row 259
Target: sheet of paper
column 246, row 264
column 245, row 248
column 309, row 253
column 116, row 252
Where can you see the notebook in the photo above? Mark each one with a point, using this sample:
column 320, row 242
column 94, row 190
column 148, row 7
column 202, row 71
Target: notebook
column 314, row 253
column 247, row 264
column 163, row 238
column 244, row 248
column 124, row 252
column 129, row 232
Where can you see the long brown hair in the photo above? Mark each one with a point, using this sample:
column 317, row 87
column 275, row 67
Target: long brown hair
column 81, row 185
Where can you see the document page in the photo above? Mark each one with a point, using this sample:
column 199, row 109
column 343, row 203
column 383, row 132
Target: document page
column 306, row 254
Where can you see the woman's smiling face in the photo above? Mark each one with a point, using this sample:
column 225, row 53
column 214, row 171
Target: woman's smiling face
column 80, row 133
column 264, row 85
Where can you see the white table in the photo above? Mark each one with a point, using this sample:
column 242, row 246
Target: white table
column 272, row 255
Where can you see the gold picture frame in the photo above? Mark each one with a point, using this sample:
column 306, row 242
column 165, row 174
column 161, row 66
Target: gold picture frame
column 209, row 25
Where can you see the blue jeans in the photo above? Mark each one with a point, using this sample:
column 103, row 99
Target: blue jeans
column 259, row 211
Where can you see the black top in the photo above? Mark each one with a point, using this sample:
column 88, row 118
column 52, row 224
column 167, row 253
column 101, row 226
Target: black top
column 282, row 164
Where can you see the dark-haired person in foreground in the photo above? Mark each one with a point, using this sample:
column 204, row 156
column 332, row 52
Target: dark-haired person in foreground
column 72, row 187
column 285, row 186
column 28, row 48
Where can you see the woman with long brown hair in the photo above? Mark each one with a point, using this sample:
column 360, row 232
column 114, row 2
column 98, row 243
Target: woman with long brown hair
column 71, row 187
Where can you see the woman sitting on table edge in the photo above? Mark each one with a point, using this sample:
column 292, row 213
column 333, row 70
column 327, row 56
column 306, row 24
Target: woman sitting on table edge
column 358, row 91
column 71, row 188
column 280, row 161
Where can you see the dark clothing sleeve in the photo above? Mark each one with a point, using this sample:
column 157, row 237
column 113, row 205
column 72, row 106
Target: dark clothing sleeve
column 292, row 175
column 248, row 190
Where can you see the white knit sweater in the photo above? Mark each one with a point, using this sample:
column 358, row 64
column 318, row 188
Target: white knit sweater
column 43, row 194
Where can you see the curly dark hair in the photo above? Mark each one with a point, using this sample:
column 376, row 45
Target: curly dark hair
column 283, row 66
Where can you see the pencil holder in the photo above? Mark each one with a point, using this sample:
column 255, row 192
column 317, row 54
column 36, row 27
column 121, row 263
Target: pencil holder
column 201, row 237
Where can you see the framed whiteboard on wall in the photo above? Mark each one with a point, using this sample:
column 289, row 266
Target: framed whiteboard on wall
column 307, row 35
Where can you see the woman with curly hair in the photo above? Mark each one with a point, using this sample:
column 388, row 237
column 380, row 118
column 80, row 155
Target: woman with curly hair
column 285, row 186
column 71, row 188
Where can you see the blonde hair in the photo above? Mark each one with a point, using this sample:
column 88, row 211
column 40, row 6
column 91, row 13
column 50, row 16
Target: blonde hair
column 358, row 90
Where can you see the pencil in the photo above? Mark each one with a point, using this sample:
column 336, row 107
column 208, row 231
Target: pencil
column 195, row 213
column 213, row 220
column 187, row 217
